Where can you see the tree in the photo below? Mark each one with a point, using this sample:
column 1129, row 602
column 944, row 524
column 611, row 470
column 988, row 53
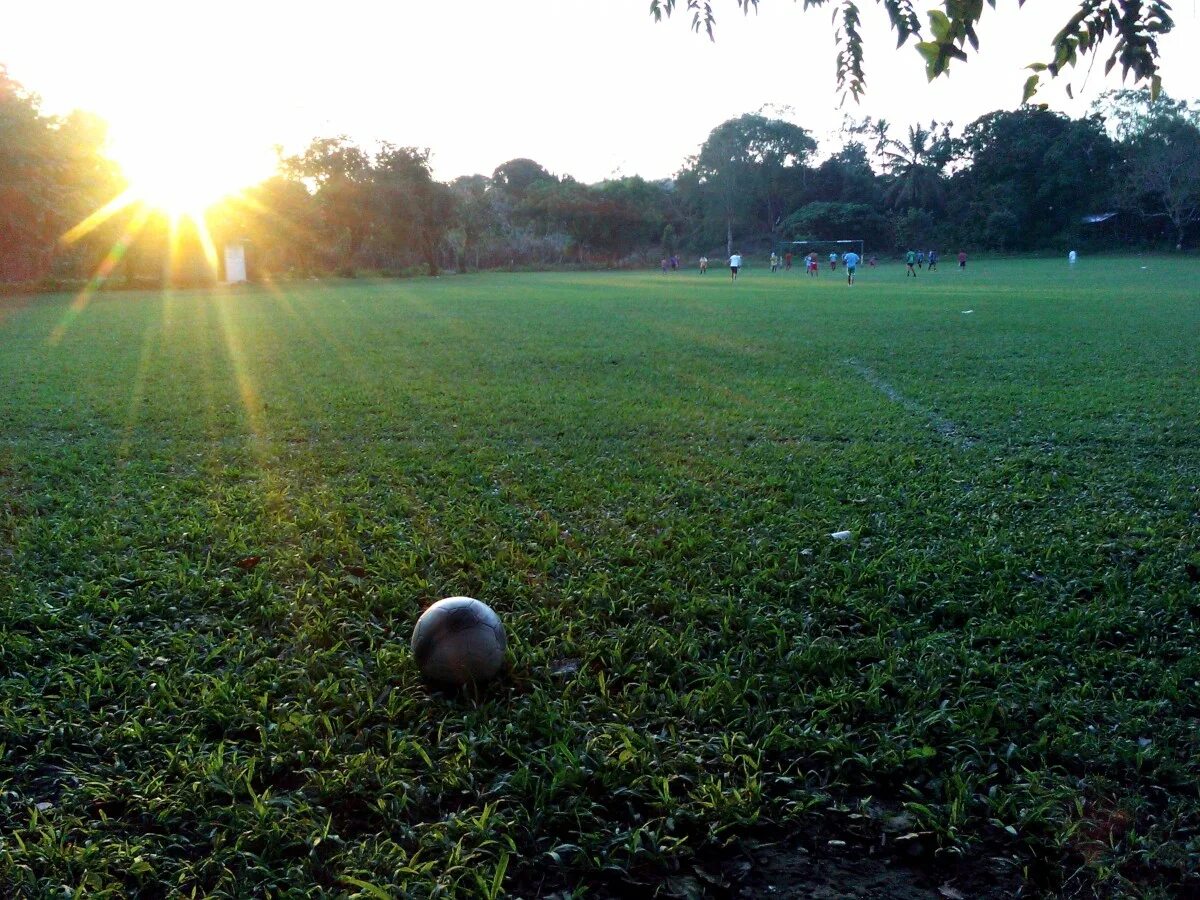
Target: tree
column 632, row 212
column 279, row 218
column 565, row 208
column 915, row 166
column 834, row 221
column 668, row 240
column 1030, row 175
column 414, row 210
column 1134, row 25
column 742, row 167
column 475, row 214
column 328, row 159
column 52, row 176
column 845, row 177
column 340, row 173
column 1162, row 159
column 517, row 176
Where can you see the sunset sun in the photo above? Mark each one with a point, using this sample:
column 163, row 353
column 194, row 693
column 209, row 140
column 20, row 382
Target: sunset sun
column 182, row 174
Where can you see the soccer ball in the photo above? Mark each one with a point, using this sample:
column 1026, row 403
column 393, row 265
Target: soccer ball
column 458, row 641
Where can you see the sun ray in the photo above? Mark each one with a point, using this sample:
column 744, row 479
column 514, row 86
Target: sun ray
column 107, row 266
column 118, row 203
column 137, row 390
column 206, row 241
column 172, row 259
column 290, row 228
column 247, row 389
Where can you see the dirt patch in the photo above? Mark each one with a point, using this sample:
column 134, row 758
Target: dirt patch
column 795, row 872
column 807, row 867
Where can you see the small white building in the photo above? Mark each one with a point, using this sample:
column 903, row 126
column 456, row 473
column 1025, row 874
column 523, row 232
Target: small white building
column 235, row 262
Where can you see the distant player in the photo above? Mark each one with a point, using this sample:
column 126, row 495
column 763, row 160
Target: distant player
column 735, row 265
column 665, row 264
column 962, row 260
column 873, row 262
column 851, row 261
column 932, row 260
column 703, row 265
column 920, row 259
column 787, row 261
column 833, row 258
column 910, row 260
column 812, row 265
column 774, row 262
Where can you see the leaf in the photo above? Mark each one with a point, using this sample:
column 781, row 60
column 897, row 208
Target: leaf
column 369, row 889
column 1031, row 86
column 939, row 24
column 246, row 563
column 498, row 880
column 929, row 52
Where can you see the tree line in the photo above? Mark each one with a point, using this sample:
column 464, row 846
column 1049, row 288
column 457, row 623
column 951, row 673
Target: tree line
column 1029, row 179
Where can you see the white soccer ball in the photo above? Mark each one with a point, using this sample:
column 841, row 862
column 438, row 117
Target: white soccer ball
column 459, row 641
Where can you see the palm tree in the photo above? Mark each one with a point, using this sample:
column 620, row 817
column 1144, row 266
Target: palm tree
column 914, row 169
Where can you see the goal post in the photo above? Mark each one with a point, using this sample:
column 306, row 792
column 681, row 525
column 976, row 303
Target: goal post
column 823, row 248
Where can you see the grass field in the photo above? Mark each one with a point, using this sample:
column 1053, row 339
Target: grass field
column 221, row 513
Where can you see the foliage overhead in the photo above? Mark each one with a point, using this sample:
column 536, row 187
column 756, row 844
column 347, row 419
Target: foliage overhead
column 1133, row 26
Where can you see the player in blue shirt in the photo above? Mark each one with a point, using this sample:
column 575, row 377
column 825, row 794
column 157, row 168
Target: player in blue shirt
column 851, row 261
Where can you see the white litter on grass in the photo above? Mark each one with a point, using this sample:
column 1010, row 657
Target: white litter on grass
column 967, row 311
column 840, row 535
column 1143, row 268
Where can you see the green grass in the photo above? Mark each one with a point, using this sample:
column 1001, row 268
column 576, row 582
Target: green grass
column 221, row 514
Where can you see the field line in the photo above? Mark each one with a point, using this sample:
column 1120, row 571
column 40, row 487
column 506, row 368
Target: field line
column 940, row 424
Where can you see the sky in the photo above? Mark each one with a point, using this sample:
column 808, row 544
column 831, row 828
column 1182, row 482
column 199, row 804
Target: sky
column 586, row 88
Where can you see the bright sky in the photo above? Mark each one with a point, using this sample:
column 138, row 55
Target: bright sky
column 585, row 88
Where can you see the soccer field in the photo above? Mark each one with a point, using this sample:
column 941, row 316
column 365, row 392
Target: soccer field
column 221, row 513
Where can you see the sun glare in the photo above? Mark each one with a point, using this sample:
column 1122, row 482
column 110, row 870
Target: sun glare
column 184, row 174
column 180, row 170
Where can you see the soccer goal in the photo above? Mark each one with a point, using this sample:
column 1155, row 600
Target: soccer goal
column 822, row 248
